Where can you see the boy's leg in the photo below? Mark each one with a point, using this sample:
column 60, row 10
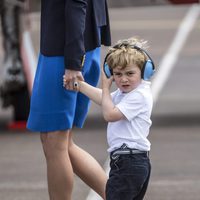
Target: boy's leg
column 128, row 175
column 142, row 193
column 87, row 168
column 59, row 169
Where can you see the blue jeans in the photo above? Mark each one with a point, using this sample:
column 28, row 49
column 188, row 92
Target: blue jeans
column 129, row 177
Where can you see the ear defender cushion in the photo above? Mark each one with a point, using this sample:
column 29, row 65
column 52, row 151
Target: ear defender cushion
column 148, row 70
column 107, row 70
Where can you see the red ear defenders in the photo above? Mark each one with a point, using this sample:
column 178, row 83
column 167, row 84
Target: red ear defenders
column 148, row 68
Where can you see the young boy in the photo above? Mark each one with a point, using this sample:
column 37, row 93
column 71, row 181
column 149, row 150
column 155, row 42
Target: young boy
column 127, row 111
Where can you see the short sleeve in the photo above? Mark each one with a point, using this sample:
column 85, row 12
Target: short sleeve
column 132, row 105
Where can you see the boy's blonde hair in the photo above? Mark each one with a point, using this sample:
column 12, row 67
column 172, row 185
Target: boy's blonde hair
column 125, row 53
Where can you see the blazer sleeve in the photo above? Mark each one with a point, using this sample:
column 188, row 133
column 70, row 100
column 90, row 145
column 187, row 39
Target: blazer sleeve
column 74, row 49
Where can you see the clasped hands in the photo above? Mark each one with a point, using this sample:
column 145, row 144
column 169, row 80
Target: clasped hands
column 71, row 80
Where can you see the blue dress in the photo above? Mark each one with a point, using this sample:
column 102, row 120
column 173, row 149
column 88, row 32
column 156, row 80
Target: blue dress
column 53, row 107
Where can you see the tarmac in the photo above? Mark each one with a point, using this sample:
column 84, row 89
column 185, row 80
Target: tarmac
column 173, row 35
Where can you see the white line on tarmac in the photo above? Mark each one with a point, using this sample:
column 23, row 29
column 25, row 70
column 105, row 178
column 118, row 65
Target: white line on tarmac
column 165, row 67
column 169, row 60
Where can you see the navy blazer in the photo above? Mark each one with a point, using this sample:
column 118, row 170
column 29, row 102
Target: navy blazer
column 70, row 28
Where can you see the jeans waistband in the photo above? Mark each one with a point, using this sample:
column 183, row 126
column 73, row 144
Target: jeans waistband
column 124, row 150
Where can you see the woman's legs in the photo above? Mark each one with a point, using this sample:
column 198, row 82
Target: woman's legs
column 61, row 155
column 59, row 168
column 87, row 168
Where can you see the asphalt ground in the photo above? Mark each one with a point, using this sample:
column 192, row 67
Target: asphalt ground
column 175, row 133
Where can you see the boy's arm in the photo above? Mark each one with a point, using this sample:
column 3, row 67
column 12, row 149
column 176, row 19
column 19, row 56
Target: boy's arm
column 95, row 94
column 110, row 112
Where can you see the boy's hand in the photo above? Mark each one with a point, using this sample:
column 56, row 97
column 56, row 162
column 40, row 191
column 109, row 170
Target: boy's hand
column 106, row 82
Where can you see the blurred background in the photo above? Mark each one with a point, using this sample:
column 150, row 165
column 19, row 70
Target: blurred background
column 172, row 29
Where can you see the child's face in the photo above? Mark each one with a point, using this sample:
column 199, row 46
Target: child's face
column 127, row 79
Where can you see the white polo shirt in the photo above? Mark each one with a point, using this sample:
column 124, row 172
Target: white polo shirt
column 136, row 106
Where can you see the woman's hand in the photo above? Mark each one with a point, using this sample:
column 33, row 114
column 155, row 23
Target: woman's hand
column 71, row 79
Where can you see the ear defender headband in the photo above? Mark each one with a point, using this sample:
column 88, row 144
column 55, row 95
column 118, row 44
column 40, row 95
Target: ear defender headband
column 148, row 68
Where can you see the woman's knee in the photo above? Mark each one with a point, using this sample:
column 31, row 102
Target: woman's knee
column 55, row 142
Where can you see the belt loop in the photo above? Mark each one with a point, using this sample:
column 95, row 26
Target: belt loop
column 124, row 146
